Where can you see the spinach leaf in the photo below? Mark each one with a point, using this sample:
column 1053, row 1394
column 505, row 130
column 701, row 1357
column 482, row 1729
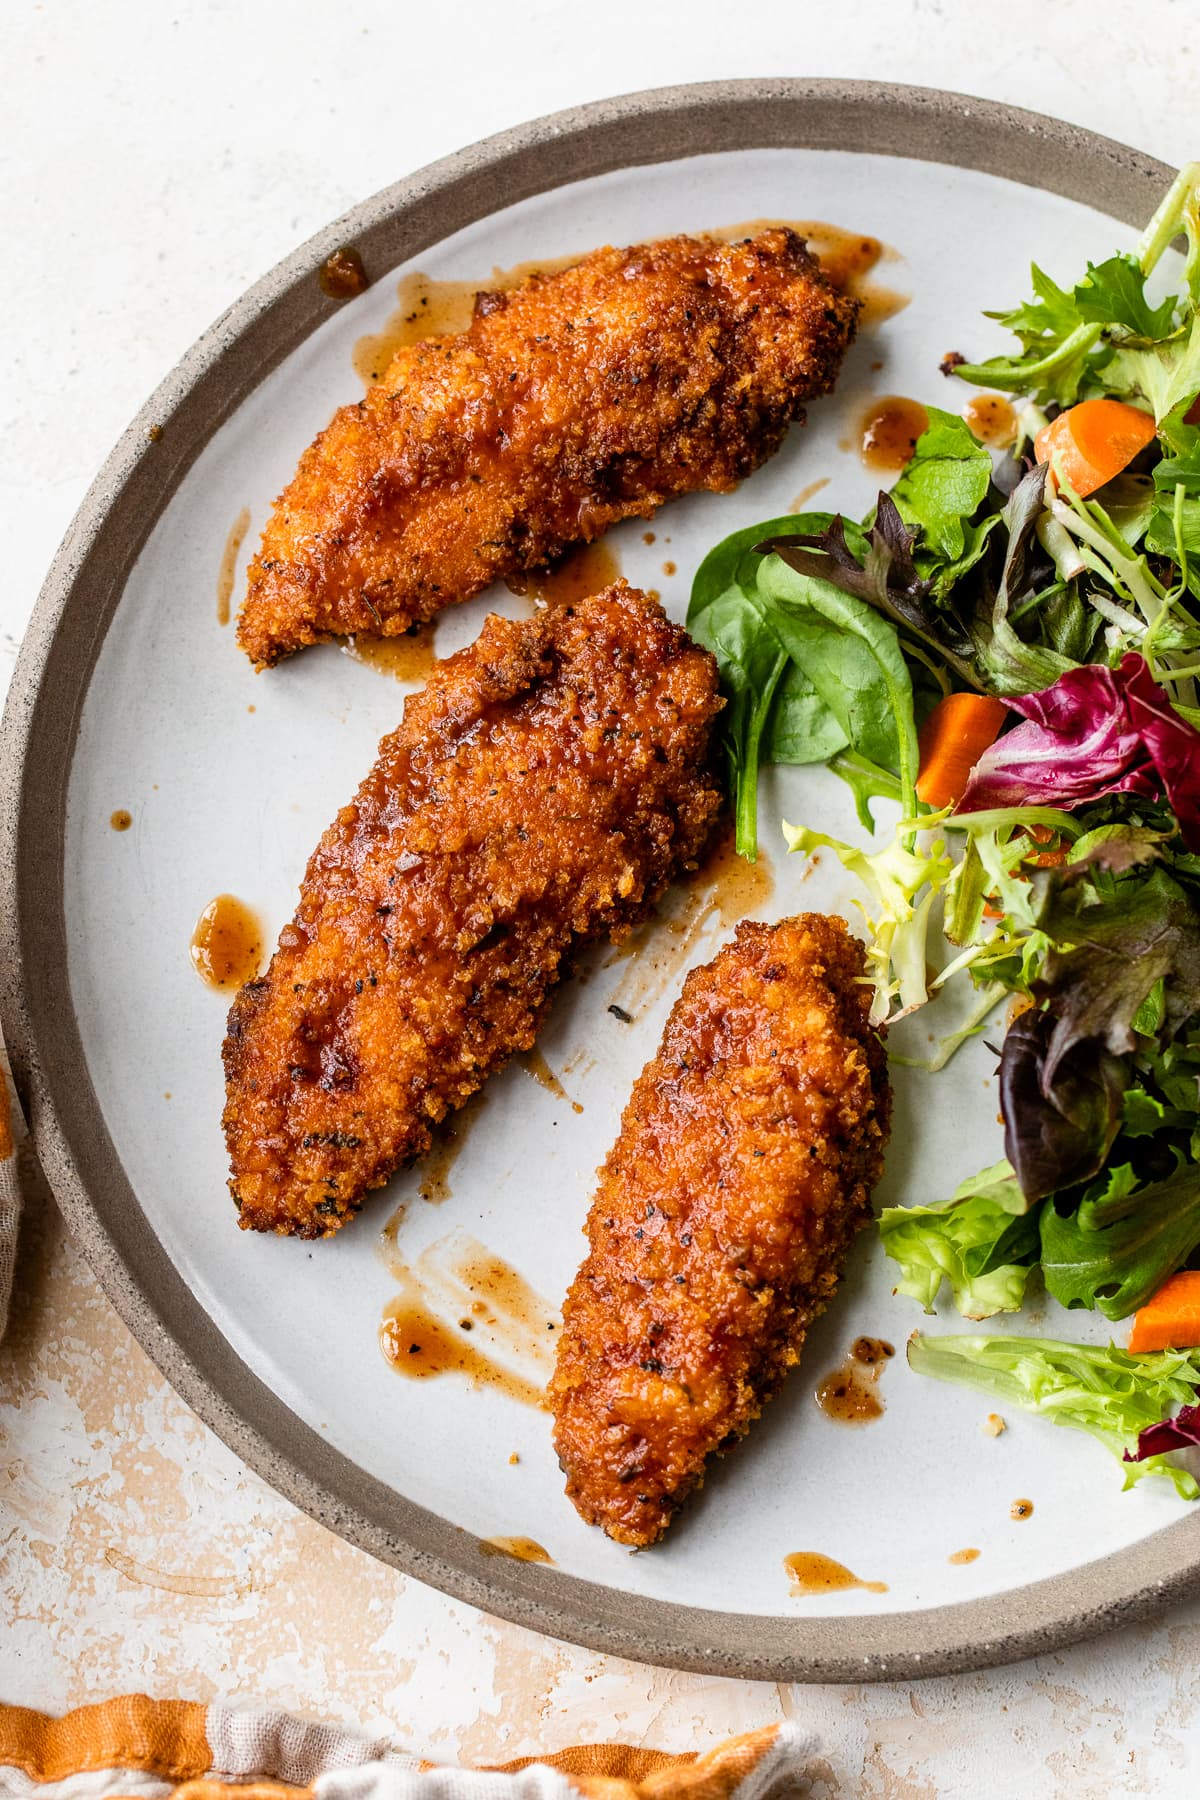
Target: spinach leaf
column 858, row 668
column 773, row 710
column 880, row 569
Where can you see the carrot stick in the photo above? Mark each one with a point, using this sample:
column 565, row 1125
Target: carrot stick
column 951, row 741
column 1170, row 1319
column 1090, row 443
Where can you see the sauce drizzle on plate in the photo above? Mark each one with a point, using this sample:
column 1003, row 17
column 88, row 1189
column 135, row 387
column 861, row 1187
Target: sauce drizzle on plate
column 849, row 1394
column 521, row 1549
column 460, row 1309
column 811, row 1573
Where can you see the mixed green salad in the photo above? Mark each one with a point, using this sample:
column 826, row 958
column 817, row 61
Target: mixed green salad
column 1008, row 648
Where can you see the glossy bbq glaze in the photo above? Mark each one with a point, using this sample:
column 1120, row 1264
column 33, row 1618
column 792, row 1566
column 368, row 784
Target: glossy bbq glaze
column 342, row 275
column 542, row 790
column 579, row 399
column 741, row 1175
column 849, row 261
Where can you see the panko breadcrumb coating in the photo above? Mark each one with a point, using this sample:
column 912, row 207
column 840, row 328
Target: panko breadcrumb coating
column 542, row 790
column 742, row 1173
column 576, row 399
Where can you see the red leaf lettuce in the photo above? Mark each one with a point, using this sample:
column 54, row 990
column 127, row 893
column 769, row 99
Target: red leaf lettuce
column 1180, row 1433
column 1096, row 731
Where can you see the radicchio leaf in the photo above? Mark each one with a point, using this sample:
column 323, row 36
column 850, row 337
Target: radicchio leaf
column 1096, row 731
column 1172, row 745
column 1180, row 1433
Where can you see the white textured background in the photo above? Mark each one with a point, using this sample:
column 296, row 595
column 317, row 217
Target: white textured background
column 155, row 158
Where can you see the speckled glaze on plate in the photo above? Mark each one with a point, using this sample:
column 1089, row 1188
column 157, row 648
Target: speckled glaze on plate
column 128, row 695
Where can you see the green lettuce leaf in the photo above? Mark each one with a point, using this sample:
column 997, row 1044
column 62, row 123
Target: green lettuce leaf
column 982, row 1241
column 1099, row 1389
column 942, row 486
column 1122, row 1241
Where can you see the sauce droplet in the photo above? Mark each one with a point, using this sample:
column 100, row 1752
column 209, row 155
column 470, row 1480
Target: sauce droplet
column 581, row 572
column 342, row 276
column 121, row 820
column 227, row 944
column 521, row 1549
column 850, row 1395
column 811, row 1573
column 407, row 657
column 228, row 569
column 1021, row 1509
column 887, row 432
column 963, row 1556
column 991, row 418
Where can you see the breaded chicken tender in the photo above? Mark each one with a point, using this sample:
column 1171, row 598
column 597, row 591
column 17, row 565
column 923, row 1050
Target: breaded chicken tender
column 542, row 790
column 742, row 1173
column 575, row 400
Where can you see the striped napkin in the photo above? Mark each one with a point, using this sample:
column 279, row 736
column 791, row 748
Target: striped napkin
column 134, row 1748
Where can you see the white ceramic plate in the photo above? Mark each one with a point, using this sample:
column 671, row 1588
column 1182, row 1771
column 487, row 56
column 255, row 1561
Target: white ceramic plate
column 231, row 777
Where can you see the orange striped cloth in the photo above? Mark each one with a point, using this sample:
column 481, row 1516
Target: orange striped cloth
column 135, row 1748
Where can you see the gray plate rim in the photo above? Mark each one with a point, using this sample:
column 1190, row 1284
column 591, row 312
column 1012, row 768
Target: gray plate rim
column 37, row 736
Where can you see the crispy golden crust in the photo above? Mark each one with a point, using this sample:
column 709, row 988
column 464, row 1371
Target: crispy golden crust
column 743, row 1171
column 575, row 400
column 542, row 790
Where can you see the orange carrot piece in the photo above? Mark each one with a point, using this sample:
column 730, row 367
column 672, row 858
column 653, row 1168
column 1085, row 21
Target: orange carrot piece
column 1170, row 1319
column 951, row 741
column 1090, row 443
